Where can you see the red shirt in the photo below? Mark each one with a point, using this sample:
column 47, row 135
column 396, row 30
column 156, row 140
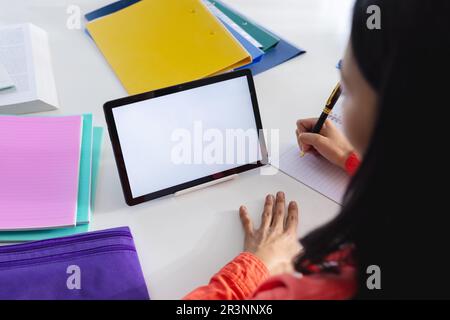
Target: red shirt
column 246, row 277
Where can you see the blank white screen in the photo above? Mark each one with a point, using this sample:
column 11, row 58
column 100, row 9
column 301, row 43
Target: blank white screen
column 146, row 132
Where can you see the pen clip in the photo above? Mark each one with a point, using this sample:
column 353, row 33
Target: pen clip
column 333, row 94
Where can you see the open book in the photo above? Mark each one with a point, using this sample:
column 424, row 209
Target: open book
column 25, row 56
column 315, row 171
column 5, row 80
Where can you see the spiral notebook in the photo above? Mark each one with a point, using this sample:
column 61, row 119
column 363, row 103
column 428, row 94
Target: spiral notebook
column 315, row 171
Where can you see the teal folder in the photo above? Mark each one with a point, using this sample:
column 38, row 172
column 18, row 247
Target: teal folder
column 96, row 154
column 84, row 183
column 266, row 38
column 94, row 163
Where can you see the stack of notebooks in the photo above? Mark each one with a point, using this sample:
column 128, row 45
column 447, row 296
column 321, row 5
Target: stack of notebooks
column 48, row 170
column 151, row 44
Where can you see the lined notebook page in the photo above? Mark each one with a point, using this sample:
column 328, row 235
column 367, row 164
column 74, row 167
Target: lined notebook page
column 39, row 167
column 313, row 170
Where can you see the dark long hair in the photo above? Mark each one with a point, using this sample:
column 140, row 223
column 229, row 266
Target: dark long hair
column 396, row 209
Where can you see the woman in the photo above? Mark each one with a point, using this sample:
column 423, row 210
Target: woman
column 395, row 219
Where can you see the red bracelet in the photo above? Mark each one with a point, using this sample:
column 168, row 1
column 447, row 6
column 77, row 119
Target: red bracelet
column 352, row 164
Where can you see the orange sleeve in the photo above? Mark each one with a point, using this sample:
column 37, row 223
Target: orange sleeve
column 238, row 280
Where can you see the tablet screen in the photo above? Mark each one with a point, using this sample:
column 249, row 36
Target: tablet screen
column 183, row 136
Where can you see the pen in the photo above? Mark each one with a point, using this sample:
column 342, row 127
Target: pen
column 331, row 102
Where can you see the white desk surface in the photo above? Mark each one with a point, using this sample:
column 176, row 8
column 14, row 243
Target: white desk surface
column 182, row 241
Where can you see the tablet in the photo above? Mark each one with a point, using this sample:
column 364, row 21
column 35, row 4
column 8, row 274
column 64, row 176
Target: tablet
column 175, row 138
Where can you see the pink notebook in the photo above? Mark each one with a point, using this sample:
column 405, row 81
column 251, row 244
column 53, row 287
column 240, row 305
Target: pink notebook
column 39, row 163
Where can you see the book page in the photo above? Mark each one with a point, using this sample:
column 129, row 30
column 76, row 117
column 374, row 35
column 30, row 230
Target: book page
column 315, row 171
column 5, row 79
column 16, row 57
column 42, row 66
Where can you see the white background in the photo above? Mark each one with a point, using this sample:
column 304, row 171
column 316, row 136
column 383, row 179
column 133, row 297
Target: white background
column 183, row 241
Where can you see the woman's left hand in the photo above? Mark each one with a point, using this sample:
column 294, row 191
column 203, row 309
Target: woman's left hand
column 275, row 243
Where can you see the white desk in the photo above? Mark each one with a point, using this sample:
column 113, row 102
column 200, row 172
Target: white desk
column 182, row 241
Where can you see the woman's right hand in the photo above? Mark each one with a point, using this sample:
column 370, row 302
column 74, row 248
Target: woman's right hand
column 330, row 143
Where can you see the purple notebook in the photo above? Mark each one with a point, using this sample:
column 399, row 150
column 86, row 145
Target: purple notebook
column 39, row 164
column 95, row 265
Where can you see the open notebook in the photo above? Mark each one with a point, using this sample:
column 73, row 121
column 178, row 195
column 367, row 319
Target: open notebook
column 27, row 83
column 313, row 170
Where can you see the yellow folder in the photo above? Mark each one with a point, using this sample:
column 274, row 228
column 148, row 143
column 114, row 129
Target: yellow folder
column 158, row 43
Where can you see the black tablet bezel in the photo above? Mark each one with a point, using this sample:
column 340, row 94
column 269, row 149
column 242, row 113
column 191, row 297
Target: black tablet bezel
column 110, row 105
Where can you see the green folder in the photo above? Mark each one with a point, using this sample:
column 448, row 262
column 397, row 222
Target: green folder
column 95, row 141
column 264, row 37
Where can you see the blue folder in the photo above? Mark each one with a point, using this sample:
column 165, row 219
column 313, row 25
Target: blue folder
column 281, row 53
column 110, row 8
column 255, row 52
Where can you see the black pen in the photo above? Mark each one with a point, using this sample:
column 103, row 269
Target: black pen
column 334, row 97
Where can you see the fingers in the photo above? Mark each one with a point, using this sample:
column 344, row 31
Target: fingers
column 305, row 148
column 303, row 126
column 306, row 125
column 274, row 215
column 292, row 218
column 313, row 140
column 304, row 138
column 279, row 212
column 266, row 219
column 245, row 219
